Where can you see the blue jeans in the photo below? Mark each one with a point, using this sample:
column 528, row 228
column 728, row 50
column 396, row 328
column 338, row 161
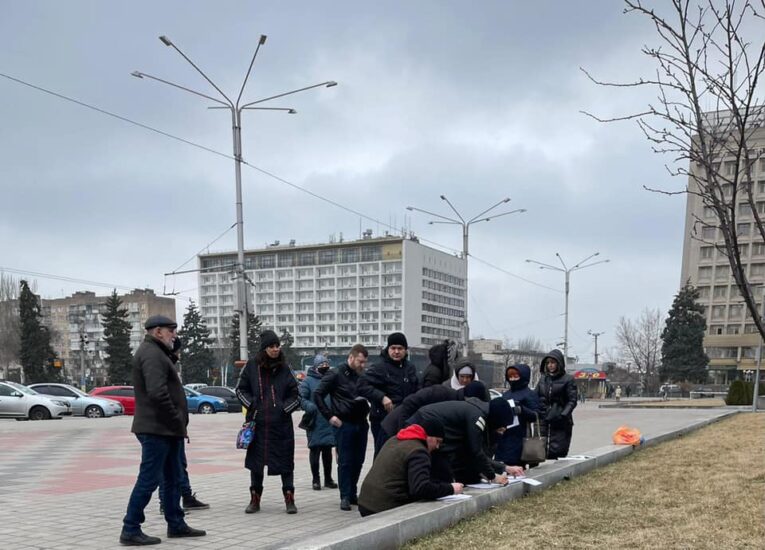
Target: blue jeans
column 351, row 451
column 185, row 486
column 160, row 459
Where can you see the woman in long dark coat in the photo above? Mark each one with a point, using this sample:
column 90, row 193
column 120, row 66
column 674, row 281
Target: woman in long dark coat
column 558, row 395
column 270, row 392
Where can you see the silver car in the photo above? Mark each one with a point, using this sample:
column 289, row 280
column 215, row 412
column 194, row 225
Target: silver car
column 17, row 401
column 82, row 404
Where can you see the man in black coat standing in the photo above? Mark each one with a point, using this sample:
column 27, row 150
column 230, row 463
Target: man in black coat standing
column 348, row 415
column 161, row 417
column 387, row 383
column 558, row 396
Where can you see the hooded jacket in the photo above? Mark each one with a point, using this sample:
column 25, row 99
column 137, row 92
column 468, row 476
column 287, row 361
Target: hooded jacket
column 454, row 381
column 558, row 396
column 439, row 370
column 466, row 433
column 321, row 433
column 401, row 473
column 394, row 421
column 510, row 445
column 387, row 378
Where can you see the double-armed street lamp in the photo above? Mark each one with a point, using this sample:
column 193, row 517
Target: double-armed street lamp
column 465, row 224
column 568, row 270
column 236, row 108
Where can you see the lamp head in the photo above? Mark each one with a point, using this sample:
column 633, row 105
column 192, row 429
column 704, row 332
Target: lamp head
column 262, row 39
column 409, row 208
column 331, row 83
column 137, row 74
column 443, row 197
column 165, row 40
column 292, row 112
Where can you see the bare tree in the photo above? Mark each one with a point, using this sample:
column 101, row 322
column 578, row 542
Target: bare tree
column 707, row 114
column 10, row 324
column 640, row 340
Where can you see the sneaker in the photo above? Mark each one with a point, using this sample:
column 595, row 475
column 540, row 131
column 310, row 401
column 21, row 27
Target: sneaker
column 138, row 539
column 316, row 486
column 185, row 531
column 344, row 504
column 191, row 503
column 329, row 484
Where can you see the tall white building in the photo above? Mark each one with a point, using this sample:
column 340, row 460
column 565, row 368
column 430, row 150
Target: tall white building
column 337, row 294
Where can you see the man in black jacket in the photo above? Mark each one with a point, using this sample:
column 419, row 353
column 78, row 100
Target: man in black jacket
column 468, row 428
column 401, row 472
column 387, row 383
column 348, row 415
column 161, row 417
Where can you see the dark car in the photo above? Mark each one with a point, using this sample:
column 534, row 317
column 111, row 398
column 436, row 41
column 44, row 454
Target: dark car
column 224, row 392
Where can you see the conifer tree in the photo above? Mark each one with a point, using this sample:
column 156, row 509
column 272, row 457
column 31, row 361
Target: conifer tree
column 253, row 336
column 197, row 359
column 35, row 352
column 287, row 341
column 119, row 357
column 682, row 350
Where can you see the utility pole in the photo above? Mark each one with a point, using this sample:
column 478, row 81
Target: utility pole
column 595, row 336
column 465, row 224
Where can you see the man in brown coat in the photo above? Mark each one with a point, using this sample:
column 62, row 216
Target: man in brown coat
column 159, row 424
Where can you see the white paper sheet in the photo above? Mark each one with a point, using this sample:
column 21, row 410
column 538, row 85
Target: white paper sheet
column 575, row 457
column 454, row 498
column 483, row 485
column 516, row 422
column 532, row 482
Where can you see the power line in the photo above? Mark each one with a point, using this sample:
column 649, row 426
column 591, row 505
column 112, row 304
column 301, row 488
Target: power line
column 65, row 278
column 208, row 245
column 261, row 170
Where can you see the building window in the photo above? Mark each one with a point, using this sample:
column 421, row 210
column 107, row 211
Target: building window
column 750, row 328
column 707, row 252
column 733, row 329
column 735, row 312
column 718, row 312
column 742, row 229
column 703, row 292
column 757, row 270
column 710, row 232
column 715, row 330
column 266, row 261
column 349, row 255
column 327, row 256
column 705, row 273
column 722, row 273
column 744, row 209
column 307, row 258
column 758, row 249
column 720, row 292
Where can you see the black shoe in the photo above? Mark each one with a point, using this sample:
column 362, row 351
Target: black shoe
column 316, row 486
column 344, row 504
column 185, row 531
column 354, row 500
column 329, row 484
column 191, row 503
column 139, row 539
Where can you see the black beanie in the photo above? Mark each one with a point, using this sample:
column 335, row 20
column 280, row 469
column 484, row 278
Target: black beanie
column 433, row 427
column 268, row 338
column 500, row 413
column 475, row 389
column 397, row 339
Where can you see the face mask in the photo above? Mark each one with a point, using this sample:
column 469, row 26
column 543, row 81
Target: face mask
column 323, row 370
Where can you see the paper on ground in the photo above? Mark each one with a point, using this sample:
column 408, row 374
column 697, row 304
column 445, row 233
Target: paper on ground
column 450, row 498
column 575, row 457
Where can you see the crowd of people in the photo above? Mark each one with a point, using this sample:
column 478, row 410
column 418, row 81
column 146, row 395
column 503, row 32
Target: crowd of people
column 430, row 437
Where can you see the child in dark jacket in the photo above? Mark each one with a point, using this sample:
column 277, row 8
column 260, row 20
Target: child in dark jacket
column 527, row 407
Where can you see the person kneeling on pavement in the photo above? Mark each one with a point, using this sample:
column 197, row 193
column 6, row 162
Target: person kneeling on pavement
column 470, row 429
column 402, row 471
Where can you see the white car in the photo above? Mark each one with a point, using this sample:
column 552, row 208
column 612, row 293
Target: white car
column 195, row 387
column 17, row 401
column 82, row 404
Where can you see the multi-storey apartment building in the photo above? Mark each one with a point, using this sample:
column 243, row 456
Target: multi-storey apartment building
column 76, row 325
column 334, row 295
column 731, row 338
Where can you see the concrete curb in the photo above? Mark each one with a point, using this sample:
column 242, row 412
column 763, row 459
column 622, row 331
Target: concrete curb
column 394, row 528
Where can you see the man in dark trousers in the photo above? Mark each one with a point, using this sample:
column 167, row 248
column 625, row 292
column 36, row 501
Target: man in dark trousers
column 401, row 472
column 469, row 426
column 348, row 415
column 387, row 383
column 161, row 417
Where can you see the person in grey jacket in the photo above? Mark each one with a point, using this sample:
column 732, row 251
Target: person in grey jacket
column 161, row 417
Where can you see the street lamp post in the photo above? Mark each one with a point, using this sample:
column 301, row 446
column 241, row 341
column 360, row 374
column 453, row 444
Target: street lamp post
column 595, row 335
column 567, row 271
column 465, row 224
column 236, row 108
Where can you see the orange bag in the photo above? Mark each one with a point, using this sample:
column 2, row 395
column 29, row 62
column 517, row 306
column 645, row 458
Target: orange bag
column 625, row 435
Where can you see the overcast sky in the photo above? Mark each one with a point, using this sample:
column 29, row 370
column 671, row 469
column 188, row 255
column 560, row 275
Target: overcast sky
column 477, row 101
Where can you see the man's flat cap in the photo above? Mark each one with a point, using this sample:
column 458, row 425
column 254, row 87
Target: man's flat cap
column 159, row 321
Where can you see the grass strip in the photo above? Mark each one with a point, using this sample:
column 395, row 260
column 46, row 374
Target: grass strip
column 703, row 490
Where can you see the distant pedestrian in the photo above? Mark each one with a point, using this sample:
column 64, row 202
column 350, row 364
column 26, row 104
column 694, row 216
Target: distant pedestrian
column 442, row 357
column 347, row 412
column 558, row 395
column 618, row 393
column 387, row 383
column 321, row 436
column 270, row 392
column 628, row 391
column 161, row 417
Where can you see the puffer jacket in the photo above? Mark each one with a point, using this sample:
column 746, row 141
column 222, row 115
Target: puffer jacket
column 321, row 434
column 510, row 445
column 439, row 370
column 558, row 397
column 387, row 378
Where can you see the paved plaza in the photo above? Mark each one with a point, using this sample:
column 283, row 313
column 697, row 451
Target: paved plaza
column 64, row 484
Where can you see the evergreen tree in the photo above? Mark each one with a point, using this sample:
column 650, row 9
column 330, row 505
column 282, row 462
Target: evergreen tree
column 119, row 360
column 35, row 353
column 253, row 336
column 289, row 354
column 682, row 350
column 197, row 359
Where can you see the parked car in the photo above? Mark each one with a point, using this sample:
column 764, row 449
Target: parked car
column 226, row 393
column 20, row 402
column 670, row 389
column 124, row 395
column 195, row 387
column 204, row 404
column 494, row 393
column 82, row 404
